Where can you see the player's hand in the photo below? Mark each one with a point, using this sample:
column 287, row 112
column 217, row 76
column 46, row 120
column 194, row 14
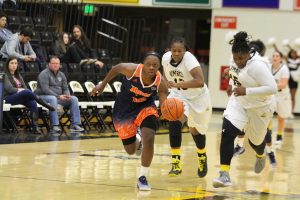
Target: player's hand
column 229, row 90
column 226, row 73
column 171, row 84
column 239, row 91
column 97, row 90
column 99, row 63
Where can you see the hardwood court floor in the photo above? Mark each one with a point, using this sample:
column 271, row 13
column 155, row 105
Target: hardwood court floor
column 100, row 169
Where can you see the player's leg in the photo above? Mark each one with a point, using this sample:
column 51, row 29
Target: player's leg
column 148, row 129
column 259, row 120
column 198, row 123
column 269, row 147
column 229, row 133
column 234, row 120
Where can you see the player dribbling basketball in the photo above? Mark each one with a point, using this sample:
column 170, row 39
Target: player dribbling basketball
column 135, row 108
column 186, row 82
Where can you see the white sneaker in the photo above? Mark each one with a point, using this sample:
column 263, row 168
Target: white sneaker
column 139, row 144
column 223, row 180
column 142, row 184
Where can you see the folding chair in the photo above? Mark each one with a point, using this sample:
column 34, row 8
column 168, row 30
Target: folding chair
column 85, row 105
column 78, row 91
column 42, row 110
column 107, row 105
column 117, row 85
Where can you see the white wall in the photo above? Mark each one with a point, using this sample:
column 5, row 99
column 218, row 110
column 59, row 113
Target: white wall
column 261, row 24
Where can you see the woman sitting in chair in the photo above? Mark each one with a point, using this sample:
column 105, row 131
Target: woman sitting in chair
column 16, row 92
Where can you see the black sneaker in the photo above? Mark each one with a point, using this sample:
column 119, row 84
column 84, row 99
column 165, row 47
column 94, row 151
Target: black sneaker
column 202, row 165
column 272, row 158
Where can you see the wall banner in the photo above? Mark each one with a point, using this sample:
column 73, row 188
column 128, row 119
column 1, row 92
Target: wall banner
column 182, row 2
column 251, row 3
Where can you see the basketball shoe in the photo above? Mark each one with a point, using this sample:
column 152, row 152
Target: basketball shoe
column 202, row 165
column 176, row 168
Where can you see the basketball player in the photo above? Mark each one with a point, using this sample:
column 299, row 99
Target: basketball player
column 249, row 109
column 259, row 47
column 135, row 108
column 186, row 82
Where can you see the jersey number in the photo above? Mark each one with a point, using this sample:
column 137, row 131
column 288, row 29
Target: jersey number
column 179, row 80
column 235, row 80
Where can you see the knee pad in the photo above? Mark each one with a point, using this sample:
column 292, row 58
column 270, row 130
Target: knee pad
column 268, row 138
column 175, row 133
column 200, row 140
column 259, row 149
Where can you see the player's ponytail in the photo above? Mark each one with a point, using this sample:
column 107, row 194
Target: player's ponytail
column 240, row 43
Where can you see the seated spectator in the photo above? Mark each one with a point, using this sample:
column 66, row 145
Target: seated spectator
column 53, row 88
column 79, row 50
column 18, row 46
column 16, row 92
column 4, row 32
column 60, row 46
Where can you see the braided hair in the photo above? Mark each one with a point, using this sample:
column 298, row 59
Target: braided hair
column 258, row 45
column 240, row 43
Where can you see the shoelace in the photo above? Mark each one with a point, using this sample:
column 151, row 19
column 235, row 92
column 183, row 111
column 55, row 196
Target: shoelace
column 175, row 166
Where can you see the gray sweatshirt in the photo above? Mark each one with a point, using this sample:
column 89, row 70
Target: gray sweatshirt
column 12, row 48
column 52, row 84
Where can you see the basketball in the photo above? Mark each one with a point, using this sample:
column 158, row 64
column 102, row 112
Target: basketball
column 172, row 109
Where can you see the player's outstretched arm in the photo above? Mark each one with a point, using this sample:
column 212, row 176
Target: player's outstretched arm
column 126, row 69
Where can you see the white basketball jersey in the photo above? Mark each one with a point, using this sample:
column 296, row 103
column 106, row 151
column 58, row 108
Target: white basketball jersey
column 281, row 72
column 254, row 76
column 181, row 73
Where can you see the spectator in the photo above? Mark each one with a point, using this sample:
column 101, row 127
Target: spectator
column 16, row 92
column 18, row 46
column 53, row 88
column 5, row 34
column 80, row 50
column 60, row 46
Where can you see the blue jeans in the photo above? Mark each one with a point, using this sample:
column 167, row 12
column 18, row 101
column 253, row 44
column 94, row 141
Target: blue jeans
column 25, row 97
column 72, row 104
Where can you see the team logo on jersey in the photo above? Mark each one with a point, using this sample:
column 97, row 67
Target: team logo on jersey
column 137, row 92
column 176, row 73
column 153, row 88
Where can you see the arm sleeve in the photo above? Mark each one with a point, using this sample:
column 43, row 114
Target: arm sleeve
column 30, row 51
column 267, row 85
column 9, row 87
column 11, row 49
column 44, row 82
